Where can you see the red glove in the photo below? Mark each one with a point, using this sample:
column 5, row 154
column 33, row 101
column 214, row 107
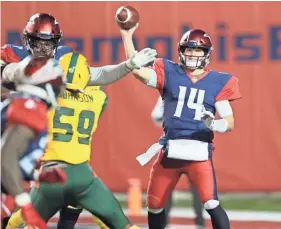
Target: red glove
column 53, row 175
column 8, row 205
column 32, row 219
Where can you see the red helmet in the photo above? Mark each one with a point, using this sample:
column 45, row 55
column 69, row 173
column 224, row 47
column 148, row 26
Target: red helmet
column 42, row 35
column 195, row 38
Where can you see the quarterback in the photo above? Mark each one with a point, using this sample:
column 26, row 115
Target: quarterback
column 192, row 94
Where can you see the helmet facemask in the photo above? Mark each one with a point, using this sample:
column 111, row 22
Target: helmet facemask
column 194, row 61
column 195, row 49
column 42, row 35
column 41, row 47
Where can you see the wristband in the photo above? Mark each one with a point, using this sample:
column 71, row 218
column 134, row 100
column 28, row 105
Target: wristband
column 220, row 125
column 22, row 199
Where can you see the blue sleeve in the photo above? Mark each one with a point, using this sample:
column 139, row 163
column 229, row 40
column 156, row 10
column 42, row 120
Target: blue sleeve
column 20, row 51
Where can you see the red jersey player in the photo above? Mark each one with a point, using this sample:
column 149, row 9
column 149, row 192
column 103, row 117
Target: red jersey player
column 24, row 133
column 192, row 94
column 41, row 37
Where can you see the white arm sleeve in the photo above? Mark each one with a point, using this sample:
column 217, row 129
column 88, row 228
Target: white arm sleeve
column 223, row 108
column 157, row 112
column 108, row 74
column 152, row 78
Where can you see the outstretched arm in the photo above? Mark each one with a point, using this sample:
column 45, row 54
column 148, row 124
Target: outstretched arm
column 111, row 73
column 108, row 74
column 145, row 74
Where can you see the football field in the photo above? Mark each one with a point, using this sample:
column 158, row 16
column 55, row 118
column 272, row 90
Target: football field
column 182, row 219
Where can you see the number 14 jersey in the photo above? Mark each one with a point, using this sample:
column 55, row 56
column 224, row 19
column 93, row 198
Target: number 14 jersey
column 184, row 96
column 72, row 123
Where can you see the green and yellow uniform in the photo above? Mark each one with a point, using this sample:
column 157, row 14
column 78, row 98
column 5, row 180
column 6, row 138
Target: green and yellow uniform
column 71, row 125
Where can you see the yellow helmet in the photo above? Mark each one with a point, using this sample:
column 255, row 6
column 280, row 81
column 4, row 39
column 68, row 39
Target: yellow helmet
column 76, row 70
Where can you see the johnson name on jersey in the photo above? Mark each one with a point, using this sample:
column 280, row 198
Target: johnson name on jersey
column 72, row 124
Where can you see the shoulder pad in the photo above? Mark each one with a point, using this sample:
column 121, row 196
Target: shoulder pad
column 62, row 50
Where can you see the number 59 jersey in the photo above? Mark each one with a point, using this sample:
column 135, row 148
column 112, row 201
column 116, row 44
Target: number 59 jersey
column 184, row 96
column 72, row 123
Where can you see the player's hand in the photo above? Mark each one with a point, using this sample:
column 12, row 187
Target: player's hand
column 207, row 118
column 32, row 218
column 8, row 205
column 129, row 32
column 53, row 175
column 142, row 58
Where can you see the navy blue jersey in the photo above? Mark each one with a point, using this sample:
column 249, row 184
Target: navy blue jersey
column 185, row 96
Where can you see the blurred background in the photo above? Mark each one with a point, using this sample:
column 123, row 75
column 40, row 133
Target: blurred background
column 247, row 44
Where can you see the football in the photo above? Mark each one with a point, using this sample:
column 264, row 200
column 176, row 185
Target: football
column 35, row 64
column 126, row 17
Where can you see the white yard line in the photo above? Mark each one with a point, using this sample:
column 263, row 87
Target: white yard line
column 233, row 215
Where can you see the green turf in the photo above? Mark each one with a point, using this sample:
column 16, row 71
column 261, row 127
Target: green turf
column 253, row 203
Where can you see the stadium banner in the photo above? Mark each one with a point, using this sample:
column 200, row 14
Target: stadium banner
column 247, row 43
